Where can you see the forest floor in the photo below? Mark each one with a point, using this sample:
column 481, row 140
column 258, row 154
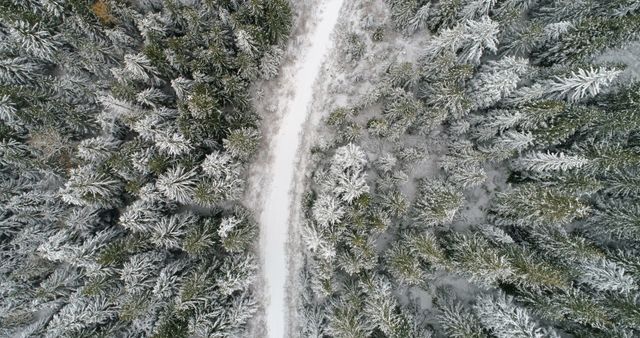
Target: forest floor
column 272, row 194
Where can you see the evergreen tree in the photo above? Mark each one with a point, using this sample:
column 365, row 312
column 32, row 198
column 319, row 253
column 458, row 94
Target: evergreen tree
column 438, row 203
column 327, row 210
column 616, row 219
column 420, row 20
column 403, row 264
column 505, row 319
column 547, row 162
column 381, row 308
column 456, row 320
column 584, row 83
column 533, row 206
column 86, row 187
column 589, row 35
column 496, row 80
column 607, row 276
column 242, row 143
column 345, row 320
column 473, row 256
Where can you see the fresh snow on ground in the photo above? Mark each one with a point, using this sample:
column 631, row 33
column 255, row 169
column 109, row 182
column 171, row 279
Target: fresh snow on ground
column 276, row 198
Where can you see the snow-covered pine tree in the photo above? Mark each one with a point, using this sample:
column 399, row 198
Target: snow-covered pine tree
column 437, row 204
column 589, row 35
column 581, row 84
column 495, row 80
column 474, row 257
column 456, row 320
column 505, row 319
column 548, row 162
column 532, row 205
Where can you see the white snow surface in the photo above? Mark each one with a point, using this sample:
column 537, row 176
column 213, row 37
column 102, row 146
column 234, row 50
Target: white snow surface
column 277, row 197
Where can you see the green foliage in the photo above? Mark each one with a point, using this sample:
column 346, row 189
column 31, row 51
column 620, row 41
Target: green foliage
column 533, row 273
column 474, row 257
column 277, row 18
column 171, row 326
column 456, row 320
column 403, row 264
column 108, row 111
column 530, row 205
column 591, row 34
column 242, row 143
column 438, row 203
column 503, row 318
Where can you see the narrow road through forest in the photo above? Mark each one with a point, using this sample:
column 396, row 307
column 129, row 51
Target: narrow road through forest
column 277, row 197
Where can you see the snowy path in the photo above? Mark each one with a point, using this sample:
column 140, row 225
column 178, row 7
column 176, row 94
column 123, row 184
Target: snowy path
column 277, row 199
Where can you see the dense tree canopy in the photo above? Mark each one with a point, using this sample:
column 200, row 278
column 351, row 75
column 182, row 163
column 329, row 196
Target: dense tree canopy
column 501, row 171
column 124, row 130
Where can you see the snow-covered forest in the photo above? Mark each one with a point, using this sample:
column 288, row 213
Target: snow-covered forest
column 467, row 168
column 125, row 130
column 477, row 174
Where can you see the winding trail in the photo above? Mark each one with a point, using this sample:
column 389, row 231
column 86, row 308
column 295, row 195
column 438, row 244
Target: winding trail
column 277, row 198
